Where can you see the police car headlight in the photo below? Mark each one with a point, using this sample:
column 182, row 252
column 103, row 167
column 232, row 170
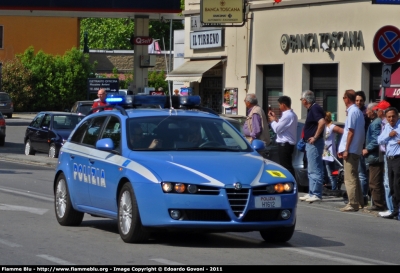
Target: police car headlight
column 271, row 188
column 179, row 187
column 192, row 188
column 288, row 187
column 279, row 188
column 167, row 186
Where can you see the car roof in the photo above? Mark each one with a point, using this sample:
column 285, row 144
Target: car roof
column 151, row 112
column 59, row 113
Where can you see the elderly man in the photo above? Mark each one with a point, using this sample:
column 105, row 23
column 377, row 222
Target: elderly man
column 101, row 93
column 373, row 157
column 391, row 138
column 313, row 135
column 380, row 110
column 350, row 149
column 256, row 125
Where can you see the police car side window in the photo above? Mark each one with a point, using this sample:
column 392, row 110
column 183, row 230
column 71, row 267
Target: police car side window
column 113, row 131
column 91, row 135
column 79, row 133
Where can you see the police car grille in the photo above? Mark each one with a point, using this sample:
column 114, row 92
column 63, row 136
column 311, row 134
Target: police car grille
column 205, row 215
column 262, row 215
column 238, row 200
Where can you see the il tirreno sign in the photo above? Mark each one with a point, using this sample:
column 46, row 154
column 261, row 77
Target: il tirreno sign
column 334, row 40
column 206, row 39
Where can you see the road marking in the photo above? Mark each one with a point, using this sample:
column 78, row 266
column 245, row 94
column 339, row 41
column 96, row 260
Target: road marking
column 21, row 208
column 54, row 259
column 36, row 196
column 334, row 256
column 165, row 261
column 7, row 243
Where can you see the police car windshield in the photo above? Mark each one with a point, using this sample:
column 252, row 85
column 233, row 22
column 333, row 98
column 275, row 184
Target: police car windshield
column 162, row 133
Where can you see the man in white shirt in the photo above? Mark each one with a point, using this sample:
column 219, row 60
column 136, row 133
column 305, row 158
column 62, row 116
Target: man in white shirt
column 286, row 132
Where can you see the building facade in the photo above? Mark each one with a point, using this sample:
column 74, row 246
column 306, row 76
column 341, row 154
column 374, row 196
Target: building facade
column 52, row 35
column 280, row 51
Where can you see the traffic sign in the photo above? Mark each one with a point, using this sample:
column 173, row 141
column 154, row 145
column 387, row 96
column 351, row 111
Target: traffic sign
column 386, row 75
column 386, row 44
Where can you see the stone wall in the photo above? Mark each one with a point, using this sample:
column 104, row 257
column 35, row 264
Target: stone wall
column 106, row 61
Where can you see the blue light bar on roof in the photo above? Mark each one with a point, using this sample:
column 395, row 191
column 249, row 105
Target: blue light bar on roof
column 190, row 100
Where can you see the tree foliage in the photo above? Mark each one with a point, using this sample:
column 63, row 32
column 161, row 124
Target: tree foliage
column 157, row 79
column 50, row 82
column 115, row 33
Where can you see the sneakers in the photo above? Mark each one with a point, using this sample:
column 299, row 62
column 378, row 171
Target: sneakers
column 348, row 208
column 303, row 198
column 384, row 213
column 313, row 199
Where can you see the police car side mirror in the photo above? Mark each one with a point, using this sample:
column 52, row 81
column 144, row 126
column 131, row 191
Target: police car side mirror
column 105, row 144
column 258, row 145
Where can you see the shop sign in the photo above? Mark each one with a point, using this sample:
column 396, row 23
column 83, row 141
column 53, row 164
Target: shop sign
column 141, row 40
column 206, row 39
column 221, row 11
column 312, row 41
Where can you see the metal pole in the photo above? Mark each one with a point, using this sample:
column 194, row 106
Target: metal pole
column 170, row 51
column 383, row 93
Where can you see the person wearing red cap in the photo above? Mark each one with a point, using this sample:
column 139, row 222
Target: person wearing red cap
column 380, row 110
column 374, row 159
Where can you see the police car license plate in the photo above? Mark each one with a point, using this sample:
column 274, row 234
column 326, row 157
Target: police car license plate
column 267, row 202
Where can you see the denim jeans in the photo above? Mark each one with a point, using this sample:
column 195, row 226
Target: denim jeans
column 330, row 167
column 362, row 175
column 388, row 196
column 315, row 167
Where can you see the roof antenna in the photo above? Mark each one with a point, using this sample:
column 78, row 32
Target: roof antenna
column 167, row 66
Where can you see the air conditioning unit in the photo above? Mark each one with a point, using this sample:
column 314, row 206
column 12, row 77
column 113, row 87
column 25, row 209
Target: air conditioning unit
column 147, row 60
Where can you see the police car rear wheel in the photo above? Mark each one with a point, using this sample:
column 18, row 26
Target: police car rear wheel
column 53, row 151
column 28, row 148
column 2, row 141
column 278, row 235
column 65, row 213
column 129, row 224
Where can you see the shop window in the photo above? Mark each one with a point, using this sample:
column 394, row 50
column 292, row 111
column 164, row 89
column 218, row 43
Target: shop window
column 211, row 93
column 273, row 88
column 324, row 84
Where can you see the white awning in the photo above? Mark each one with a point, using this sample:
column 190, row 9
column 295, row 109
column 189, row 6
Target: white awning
column 191, row 71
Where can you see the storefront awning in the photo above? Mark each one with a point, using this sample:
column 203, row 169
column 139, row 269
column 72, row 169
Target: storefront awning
column 191, row 71
column 395, row 91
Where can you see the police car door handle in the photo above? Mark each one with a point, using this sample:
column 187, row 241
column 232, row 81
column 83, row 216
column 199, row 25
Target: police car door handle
column 72, row 156
column 91, row 161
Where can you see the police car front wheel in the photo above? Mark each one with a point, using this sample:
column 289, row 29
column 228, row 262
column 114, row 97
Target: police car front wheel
column 129, row 224
column 65, row 213
column 278, row 235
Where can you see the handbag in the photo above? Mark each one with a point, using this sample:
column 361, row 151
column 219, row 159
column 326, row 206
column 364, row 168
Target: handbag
column 301, row 144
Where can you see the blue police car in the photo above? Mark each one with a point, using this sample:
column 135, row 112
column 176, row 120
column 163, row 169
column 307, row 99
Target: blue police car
column 164, row 164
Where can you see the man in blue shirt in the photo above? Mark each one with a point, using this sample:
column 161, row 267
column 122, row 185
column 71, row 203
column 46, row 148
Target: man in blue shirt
column 313, row 135
column 350, row 149
column 390, row 137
